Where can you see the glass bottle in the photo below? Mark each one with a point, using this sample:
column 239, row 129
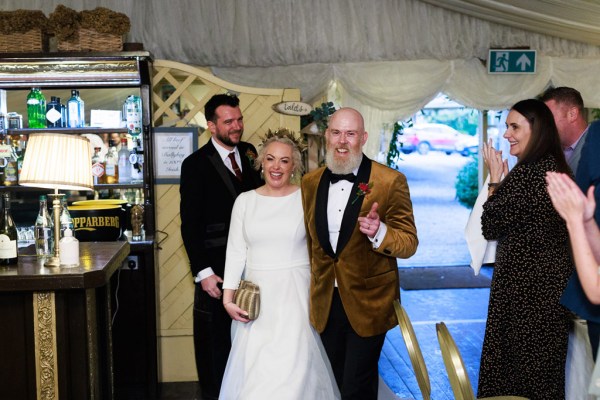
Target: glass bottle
column 124, row 165
column 43, row 230
column 136, row 159
column 98, row 167
column 137, row 222
column 9, row 250
column 3, row 123
column 75, row 111
column 63, row 113
column 133, row 115
column 111, row 164
column 66, row 221
column 36, row 108
column 11, row 166
column 54, row 113
column 21, row 155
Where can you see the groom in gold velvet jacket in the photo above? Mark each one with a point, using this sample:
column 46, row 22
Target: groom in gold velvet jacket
column 359, row 219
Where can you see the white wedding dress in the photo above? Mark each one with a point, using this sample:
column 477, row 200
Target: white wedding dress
column 278, row 356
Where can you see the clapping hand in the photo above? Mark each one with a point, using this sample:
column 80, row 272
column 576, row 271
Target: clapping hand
column 568, row 200
column 493, row 160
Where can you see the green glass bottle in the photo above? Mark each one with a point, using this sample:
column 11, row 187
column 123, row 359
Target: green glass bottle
column 36, row 108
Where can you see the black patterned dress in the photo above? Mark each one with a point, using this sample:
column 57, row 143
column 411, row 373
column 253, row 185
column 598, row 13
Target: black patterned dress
column 527, row 330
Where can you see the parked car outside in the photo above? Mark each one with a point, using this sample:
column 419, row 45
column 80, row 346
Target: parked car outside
column 437, row 137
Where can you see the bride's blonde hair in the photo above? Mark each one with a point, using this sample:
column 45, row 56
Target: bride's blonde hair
column 285, row 136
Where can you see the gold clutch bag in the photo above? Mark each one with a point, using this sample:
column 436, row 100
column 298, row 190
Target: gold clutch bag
column 247, row 297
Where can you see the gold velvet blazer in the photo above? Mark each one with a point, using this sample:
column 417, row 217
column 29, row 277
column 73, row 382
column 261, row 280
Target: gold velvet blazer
column 367, row 278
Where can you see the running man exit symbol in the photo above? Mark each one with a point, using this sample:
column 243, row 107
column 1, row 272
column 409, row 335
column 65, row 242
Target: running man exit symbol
column 503, row 61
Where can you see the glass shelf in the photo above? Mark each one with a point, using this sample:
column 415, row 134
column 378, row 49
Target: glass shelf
column 26, row 131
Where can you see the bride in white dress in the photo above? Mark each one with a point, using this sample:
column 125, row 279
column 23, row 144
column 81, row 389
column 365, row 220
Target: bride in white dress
column 279, row 355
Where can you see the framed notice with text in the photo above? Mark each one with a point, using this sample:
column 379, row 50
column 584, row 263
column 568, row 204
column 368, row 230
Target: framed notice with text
column 171, row 147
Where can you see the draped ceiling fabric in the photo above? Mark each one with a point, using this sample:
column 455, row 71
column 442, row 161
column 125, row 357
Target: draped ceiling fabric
column 387, row 57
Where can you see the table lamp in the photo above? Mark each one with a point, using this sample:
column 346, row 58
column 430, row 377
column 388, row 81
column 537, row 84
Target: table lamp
column 57, row 161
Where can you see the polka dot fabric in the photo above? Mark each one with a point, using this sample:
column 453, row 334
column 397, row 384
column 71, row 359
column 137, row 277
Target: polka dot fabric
column 527, row 330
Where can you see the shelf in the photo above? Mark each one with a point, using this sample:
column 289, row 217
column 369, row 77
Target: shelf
column 119, row 186
column 27, row 131
column 19, row 188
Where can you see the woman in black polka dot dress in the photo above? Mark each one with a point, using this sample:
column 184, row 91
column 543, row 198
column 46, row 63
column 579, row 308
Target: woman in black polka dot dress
column 527, row 330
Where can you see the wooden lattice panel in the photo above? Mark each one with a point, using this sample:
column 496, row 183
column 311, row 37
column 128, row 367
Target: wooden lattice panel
column 194, row 87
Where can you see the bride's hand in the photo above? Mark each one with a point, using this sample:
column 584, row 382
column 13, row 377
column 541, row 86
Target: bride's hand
column 236, row 313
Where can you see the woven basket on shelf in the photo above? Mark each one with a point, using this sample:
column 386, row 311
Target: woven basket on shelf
column 32, row 41
column 90, row 40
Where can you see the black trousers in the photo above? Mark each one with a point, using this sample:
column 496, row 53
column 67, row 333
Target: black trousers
column 354, row 359
column 212, row 341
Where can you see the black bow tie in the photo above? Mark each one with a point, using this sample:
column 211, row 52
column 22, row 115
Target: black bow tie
column 334, row 178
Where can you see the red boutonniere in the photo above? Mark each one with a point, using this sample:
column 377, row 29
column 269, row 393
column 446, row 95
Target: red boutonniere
column 251, row 156
column 364, row 189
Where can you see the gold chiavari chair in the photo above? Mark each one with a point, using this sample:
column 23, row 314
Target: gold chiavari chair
column 455, row 367
column 414, row 351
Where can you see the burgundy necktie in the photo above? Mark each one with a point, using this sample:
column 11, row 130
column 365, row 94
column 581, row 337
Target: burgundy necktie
column 236, row 167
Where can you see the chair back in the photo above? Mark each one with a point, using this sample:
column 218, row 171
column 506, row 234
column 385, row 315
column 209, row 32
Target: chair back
column 414, row 350
column 455, row 367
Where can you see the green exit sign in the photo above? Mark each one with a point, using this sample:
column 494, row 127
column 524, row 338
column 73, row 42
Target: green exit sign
column 502, row 61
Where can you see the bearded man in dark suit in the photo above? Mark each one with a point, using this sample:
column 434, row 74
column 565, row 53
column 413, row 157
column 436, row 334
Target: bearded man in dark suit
column 211, row 179
column 359, row 219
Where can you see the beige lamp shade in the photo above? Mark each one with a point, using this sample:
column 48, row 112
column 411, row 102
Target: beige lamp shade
column 57, row 161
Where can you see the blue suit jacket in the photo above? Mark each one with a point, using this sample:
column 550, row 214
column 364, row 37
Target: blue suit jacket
column 587, row 174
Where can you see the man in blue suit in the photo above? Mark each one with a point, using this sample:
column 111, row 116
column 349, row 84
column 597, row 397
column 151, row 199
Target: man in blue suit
column 581, row 144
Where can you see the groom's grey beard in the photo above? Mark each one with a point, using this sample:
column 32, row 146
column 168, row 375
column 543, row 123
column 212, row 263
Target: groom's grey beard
column 342, row 167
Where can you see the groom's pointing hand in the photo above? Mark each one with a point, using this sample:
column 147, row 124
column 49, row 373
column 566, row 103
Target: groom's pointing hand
column 369, row 225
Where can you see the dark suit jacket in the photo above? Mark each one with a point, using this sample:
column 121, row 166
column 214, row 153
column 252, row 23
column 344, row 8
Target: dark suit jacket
column 587, row 174
column 208, row 190
column 367, row 278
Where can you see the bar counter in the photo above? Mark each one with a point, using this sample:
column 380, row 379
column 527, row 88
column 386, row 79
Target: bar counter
column 97, row 262
column 55, row 325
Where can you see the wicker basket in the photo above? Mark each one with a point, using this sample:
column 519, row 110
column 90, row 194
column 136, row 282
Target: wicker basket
column 90, row 40
column 32, row 41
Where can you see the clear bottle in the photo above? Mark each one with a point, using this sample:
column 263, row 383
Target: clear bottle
column 124, row 165
column 63, row 113
column 98, row 167
column 54, row 113
column 43, row 231
column 66, row 221
column 132, row 109
column 21, row 155
column 75, row 111
column 111, row 164
column 3, row 123
column 136, row 159
column 9, row 250
column 36, row 108
column 11, row 168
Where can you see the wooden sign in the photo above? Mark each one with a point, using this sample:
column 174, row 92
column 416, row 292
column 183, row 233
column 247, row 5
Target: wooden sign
column 297, row 108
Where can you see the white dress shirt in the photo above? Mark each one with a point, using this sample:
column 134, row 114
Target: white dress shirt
column 339, row 194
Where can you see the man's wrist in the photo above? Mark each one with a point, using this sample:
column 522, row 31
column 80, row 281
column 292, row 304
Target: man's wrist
column 203, row 274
